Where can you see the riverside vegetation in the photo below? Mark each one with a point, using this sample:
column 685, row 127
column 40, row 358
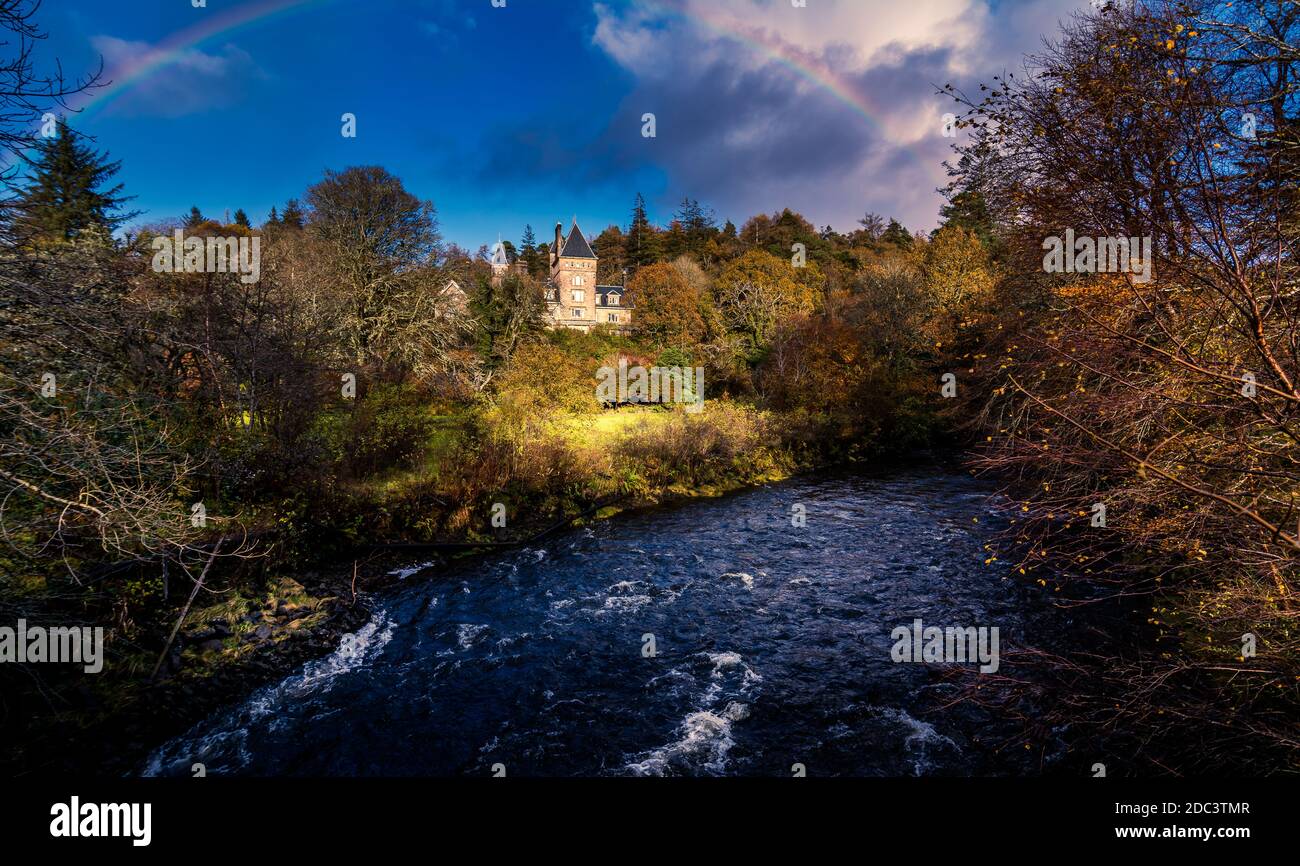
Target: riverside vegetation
column 183, row 463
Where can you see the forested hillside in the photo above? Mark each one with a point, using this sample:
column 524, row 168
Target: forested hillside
column 181, row 449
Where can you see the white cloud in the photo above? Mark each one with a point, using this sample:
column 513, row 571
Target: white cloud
column 762, row 66
column 187, row 83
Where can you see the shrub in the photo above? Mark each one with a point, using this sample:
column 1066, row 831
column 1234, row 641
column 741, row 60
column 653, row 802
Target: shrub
column 544, row 377
column 390, row 428
column 727, row 441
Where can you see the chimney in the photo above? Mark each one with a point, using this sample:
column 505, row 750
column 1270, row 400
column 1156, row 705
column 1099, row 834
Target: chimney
column 555, row 250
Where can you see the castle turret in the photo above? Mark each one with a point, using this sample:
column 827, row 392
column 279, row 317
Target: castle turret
column 500, row 262
column 573, row 276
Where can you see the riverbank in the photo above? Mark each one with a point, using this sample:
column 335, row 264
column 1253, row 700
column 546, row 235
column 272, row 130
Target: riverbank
column 304, row 619
column 771, row 646
column 260, row 627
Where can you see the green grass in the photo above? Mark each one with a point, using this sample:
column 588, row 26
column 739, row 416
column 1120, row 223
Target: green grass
column 448, row 432
column 602, row 429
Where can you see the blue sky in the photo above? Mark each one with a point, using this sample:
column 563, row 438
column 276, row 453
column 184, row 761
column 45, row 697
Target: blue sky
column 531, row 113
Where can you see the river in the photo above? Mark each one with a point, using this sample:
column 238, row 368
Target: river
column 771, row 648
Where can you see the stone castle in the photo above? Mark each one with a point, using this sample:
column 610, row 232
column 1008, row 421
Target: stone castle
column 574, row 299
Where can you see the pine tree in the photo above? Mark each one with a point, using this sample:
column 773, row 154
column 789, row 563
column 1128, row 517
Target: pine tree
column 696, row 218
column 688, row 213
column 241, row 219
column 274, row 217
column 68, row 190
column 528, row 250
column 611, row 248
column 293, row 214
column 897, row 235
column 195, row 218
column 698, row 224
column 967, row 205
column 873, row 224
column 643, row 243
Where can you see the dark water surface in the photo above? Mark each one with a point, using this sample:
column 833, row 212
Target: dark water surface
column 773, row 648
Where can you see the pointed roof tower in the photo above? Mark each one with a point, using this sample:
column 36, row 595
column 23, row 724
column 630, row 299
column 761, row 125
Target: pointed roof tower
column 499, row 256
column 576, row 246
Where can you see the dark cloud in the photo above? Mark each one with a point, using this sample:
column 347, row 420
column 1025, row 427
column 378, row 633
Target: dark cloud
column 747, row 132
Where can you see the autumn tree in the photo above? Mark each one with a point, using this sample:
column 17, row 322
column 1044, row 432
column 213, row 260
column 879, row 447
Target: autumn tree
column 1164, row 384
column 667, row 307
column 89, row 468
column 758, row 289
column 959, row 276
column 890, row 304
column 543, row 376
column 382, row 244
column 819, row 366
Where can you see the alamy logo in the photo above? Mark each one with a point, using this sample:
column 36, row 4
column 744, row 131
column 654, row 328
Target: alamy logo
column 624, row 384
column 75, row 818
column 195, row 255
column 57, row 645
column 931, row 644
column 1109, row 255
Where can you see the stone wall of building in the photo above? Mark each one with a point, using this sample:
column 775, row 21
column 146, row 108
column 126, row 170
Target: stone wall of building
column 574, row 299
column 575, row 282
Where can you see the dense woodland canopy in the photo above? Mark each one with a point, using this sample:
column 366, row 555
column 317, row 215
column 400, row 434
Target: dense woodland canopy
column 173, row 389
column 1173, row 403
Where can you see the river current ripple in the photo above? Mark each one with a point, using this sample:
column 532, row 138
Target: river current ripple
column 772, row 648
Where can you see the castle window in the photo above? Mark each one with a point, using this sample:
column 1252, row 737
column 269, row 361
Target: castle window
column 612, row 299
column 580, row 297
column 577, row 312
column 577, row 281
column 613, row 317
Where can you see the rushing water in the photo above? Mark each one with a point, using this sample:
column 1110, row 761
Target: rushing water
column 772, row 649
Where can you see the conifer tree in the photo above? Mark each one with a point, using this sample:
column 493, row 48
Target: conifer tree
column 528, row 250
column 69, row 190
column 643, row 243
column 897, row 235
column 967, row 205
column 293, row 214
column 698, row 224
column 873, row 224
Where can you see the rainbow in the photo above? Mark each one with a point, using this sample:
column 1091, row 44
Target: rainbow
column 121, row 79
column 800, row 63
